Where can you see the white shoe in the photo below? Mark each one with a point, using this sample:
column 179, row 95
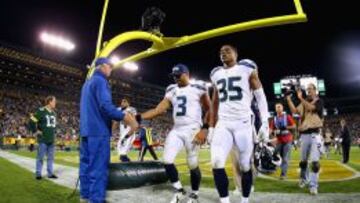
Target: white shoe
column 313, row 191
column 244, row 200
column 193, row 198
column 178, row 196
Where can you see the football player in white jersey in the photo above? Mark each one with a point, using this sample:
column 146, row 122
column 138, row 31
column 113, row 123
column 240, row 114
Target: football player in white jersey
column 234, row 85
column 188, row 101
column 125, row 141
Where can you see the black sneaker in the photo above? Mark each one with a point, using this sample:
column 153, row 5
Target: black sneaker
column 38, row 177
column 53, row 176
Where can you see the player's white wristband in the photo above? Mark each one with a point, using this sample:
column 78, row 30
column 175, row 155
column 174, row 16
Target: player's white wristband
column 210, row 134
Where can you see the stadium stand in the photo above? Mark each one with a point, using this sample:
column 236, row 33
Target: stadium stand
column 26, row 78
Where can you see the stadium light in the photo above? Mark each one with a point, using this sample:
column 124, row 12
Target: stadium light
column 130, row 66
column 114, row 59
column 57, row 41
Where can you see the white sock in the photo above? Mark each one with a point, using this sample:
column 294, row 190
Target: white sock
column 177, row 185
column 245, row 199
column 225, row 200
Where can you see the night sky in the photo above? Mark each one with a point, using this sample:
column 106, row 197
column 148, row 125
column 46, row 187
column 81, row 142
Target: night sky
column 328, row 46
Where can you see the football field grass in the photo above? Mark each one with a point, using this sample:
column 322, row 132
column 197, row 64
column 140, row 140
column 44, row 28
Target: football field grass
column 332, row 173
column 19, row 185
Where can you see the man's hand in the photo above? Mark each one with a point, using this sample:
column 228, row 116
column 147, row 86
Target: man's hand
column 37, row 133
column 264, row 131
column 129, row 120
column 200, row 137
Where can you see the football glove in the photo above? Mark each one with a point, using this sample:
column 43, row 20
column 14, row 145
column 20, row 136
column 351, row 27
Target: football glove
column 264, row 131
column 124, row 139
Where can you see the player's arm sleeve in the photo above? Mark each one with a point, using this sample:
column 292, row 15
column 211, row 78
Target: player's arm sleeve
column 214, row 99
column 104, row 99
column 259, row 95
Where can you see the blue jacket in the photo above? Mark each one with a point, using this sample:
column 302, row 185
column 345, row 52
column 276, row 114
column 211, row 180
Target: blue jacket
column 96, row 108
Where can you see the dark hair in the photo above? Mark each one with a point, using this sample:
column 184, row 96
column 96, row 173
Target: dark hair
column 126, row 98
column 48, row 99
column 232, row 47
column 279, row 102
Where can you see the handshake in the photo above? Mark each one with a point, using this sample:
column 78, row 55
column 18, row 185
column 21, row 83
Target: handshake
column 133, row 121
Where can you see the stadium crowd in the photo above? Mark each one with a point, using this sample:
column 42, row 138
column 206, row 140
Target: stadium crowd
column 16, row 106
column 353, row 122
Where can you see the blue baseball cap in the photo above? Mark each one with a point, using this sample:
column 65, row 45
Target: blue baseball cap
column 102, row 60
column 179, row 69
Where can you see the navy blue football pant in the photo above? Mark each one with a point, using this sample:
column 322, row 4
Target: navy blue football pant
column 94, row 162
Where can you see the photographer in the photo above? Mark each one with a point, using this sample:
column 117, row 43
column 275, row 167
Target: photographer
column 310, row 110
column 281, row 127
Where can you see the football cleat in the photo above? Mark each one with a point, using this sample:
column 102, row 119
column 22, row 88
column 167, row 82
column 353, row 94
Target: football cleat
column 193, row 198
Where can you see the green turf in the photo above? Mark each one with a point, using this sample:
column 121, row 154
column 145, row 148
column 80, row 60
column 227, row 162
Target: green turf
column 19, row 185
column 263, row 185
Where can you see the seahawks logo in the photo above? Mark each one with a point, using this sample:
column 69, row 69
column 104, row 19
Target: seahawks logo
column 176, row 69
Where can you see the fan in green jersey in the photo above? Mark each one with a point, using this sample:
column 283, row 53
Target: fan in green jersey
column 43, row 125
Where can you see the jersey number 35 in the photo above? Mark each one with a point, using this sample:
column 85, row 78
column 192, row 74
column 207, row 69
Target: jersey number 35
column 227, row 86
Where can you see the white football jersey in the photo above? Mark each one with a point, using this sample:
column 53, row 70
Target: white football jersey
column 124, row 129
column 186, row 102
column 235, row 94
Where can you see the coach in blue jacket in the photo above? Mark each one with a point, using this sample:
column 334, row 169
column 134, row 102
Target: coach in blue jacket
column 96, row 114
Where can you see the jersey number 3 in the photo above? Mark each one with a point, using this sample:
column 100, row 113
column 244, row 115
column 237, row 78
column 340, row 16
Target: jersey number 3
column 226, row 86
column 181, row 106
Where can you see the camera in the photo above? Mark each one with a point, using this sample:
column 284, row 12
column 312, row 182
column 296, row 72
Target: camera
column 152, row 19
column 290, row 88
